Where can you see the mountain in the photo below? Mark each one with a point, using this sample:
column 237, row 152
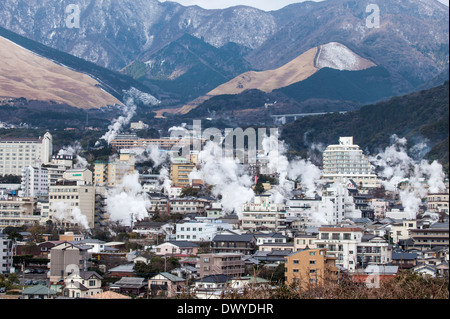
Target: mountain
column 28, row 75
column 189, row 67
column 419, row 116
column 411, row 42
column 310, row 64
column 112, row 82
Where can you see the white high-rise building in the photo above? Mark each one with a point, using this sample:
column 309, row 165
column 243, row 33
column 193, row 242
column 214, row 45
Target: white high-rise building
column 346, row 161
column 34, row 181
column 18, row 153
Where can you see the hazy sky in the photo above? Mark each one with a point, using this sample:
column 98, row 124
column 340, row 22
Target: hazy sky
column 261, row 4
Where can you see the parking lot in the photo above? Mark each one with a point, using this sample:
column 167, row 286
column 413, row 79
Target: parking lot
column 32, row 277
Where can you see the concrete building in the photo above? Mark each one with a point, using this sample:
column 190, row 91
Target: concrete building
column 438, row 202
column 35, row 181
column 200, row 231
column 341, row 242
column 189, row 205
column 263, row 215
column 373, row 250
column 18, row 211
column 67, row 258
column 437, row 235
column 346, row 161
column 72, row 204
column 229, row 264
column 310, row 267
column 111, row 174
column 18, row 153
column 179, row 174
column 6, row 254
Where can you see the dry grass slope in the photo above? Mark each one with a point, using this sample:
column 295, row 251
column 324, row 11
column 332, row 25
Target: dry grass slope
column 25, row 74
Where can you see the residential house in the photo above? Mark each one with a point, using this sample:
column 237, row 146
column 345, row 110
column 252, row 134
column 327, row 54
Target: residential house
column 310, row 267
column 200, row 230
column 126, row 270
column 38, row 292
column 373, row 275
column 211, row 287
column 82, row 284
column 129, row 285
column 404, row 260
column 373, row 250
column 177, row 249
column 166, row 284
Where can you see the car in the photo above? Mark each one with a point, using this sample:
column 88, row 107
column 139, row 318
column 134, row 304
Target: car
column 40, row 271
column 28, row 282
column 2, row 290
column 35, row 282
column 28, row 271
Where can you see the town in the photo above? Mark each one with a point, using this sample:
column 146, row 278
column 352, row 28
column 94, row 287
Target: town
column 152, row 222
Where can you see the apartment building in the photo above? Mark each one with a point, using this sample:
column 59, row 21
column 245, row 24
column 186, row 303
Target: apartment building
column 18, row 153
column 18, row 211
column 67, row 258
column 111, row 174
column 373, row 250
column 35, row 181
column 6, row 254
column 189, row 205
column 232, row 243
column 346, row 161
column 132, row 141
column 438, row 202
column 341, row 242
column 401, row 230
column 200, row 231
column 304, row 241
column 179, row 174
column 263, row 215
column 310, row 267
column 72, row 202
column 437, row 235
column 229, row 264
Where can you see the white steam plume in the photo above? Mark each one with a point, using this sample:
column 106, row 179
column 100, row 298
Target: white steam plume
column 74, row 150
column 226, row 175
column 128, row 202
column 62, row 211
column 423, row 177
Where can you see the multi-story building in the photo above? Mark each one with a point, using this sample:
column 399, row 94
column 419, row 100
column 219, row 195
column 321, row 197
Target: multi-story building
column 373, row 250
column 311, row 267
column 112, row 174
column 132, row 141
column 346, row 161
column 72, row 200
column 263, row 215
column 18, row 211
column 341, row 242
column 34, row 181
column 401, row 230
column 229, row 264
column 179, row 174
column 68, row 258
column 200, row 231
column 189, row 205
column 6, row 254
column 232, row 243
column 434, row 236
column 18, row 153
column 304, row 241
column 82, row 284
column 438, row 202
column 380, row 207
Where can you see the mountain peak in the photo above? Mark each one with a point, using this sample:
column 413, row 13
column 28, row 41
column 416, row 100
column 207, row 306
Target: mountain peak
column 337, row 56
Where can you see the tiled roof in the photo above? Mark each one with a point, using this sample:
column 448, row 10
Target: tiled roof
column 109, row 295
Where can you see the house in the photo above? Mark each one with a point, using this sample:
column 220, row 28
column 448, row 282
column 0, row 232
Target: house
column 404, row 260
column 126, row 270
column 310, row 267
column 38, row 292
column 281, row 246
column 372, row 275
column 82, row 284
column 244, row 244
column 272, row 257
column 177, row 249
column 248, row 282
column 166, row 284
column 211, row 287
column 426, row 270
column 45, row 247
column 129, row 285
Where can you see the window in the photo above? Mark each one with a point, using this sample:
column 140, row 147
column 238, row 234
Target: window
column 296, row 262
column 312, row 262
column 312, row 253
